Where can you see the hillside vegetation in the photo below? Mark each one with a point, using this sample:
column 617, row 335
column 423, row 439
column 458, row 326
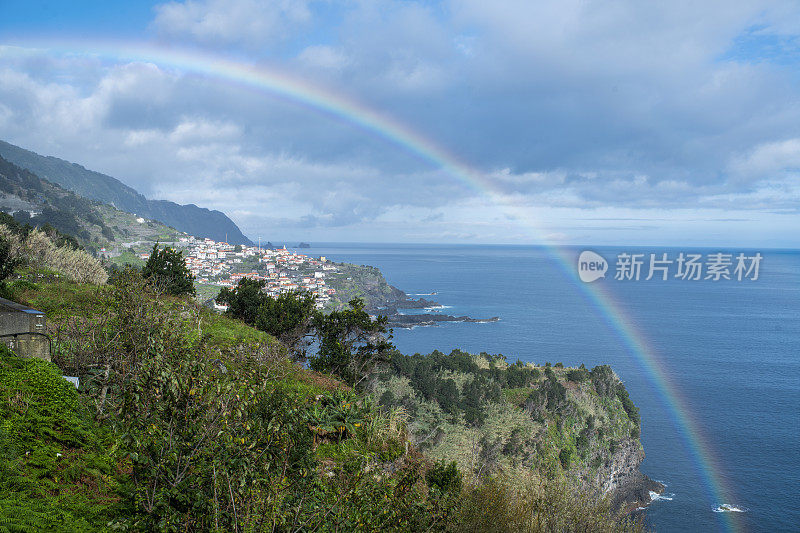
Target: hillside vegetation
column 491, row 416
column 187, row 420
column 48, row 252
column 39, row 202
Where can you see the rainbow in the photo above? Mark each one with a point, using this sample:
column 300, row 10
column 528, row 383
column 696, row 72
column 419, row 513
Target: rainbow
column 280, row 84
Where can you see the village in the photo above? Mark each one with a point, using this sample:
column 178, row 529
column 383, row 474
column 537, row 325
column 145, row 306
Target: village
column 282, row 270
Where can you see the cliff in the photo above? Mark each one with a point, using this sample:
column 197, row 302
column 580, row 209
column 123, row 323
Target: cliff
column 491, row 416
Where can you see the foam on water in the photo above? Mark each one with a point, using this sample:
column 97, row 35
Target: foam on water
column 728, row 508
column 654, row 496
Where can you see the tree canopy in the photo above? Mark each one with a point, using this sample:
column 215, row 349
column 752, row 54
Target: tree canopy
column 167, row 269
column 349, row 342
column 288, row 317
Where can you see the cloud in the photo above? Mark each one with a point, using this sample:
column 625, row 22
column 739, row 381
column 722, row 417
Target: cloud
column 768, row 159
column 567, row 108
column 323, row 57
column 253, row 23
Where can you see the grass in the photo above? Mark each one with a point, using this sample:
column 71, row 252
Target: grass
column 60, row 298
column 206, row 291
column 223, row 331
column 127, row 258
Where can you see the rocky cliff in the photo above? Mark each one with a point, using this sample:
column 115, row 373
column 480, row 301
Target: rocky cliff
column 491, row 416
column 621, row 478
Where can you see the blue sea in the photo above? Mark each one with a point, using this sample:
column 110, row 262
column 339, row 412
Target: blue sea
column 731, row 349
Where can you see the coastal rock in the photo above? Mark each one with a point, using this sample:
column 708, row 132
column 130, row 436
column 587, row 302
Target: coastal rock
column 410, row 321
column 620, row 476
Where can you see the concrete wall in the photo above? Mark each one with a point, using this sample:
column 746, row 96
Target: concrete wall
column 27, row 327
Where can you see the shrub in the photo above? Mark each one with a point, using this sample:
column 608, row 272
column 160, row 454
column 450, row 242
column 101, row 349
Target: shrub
column 630, row 409
column 604, row 380
column 578, row 375
column 53, row 466
column 565, row 457
column 582, row 441
column 8, row 262
column 38, row 249
column 444, row 477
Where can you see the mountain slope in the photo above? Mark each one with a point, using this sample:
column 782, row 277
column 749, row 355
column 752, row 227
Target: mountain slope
column 194, row 220
column 37, row 201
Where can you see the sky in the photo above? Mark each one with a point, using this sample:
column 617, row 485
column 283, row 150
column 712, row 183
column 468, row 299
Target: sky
column 579, row 122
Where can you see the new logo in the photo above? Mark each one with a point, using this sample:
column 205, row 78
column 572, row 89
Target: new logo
column 591, row 266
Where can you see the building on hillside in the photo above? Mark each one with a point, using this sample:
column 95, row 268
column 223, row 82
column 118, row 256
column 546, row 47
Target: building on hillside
column 23, row 330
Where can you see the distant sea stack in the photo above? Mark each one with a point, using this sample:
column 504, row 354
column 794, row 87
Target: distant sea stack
column 304, row 245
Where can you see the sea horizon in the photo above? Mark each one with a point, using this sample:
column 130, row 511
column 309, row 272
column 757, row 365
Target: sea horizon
column 322, row 244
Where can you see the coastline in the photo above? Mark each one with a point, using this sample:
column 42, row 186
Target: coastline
column 408, row 321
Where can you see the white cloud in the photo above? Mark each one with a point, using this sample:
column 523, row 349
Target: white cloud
column 768, row 159
column 194, row 130
column 249, row 22
column 323, row 57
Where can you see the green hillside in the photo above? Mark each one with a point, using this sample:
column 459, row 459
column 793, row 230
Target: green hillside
column 189, row 218
column 38, row 202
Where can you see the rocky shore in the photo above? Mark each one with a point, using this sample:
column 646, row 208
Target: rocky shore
column 397, row 320
column 402, row 301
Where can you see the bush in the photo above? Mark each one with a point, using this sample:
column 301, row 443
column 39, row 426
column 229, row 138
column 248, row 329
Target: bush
column 630, row 409
column 53, row 465
column 604, row 380
column 39, row 249
column 578, row 375
column 445, row 478
column 8, row 262
column 565, row 458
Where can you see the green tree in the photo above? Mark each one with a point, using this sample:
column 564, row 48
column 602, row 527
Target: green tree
column 447, row 396
column 167, row 269
column 7, row 261
column 289, row 318
column 351, row 343
column 245, row 300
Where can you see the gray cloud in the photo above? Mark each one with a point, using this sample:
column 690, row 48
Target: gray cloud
column 572, row 106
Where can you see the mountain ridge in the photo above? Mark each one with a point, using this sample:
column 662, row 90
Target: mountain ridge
column 33, row 200
column 189, row 218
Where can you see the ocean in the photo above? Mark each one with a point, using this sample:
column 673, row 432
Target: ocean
column 730, row 349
